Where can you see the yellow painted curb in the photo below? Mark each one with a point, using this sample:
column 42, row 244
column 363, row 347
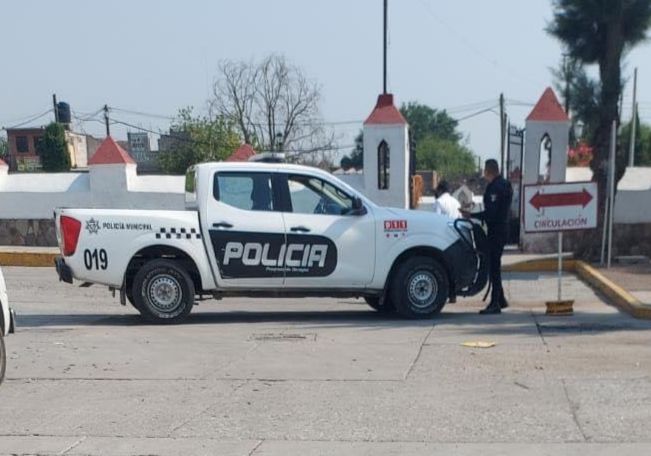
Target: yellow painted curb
column 617, row 295
column 31, row 259
column 541, row 265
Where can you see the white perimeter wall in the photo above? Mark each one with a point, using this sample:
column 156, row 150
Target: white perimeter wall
column 633, row 199
column 35, row 196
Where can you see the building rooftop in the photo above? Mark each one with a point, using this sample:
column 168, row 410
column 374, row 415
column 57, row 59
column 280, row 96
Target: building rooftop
column 548, row 109
column 110, row 153
column 637, row 178
column 242, row 154
column 385, row 113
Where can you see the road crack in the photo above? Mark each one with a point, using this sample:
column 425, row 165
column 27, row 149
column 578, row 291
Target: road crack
column 574, row 408
column 420, row 351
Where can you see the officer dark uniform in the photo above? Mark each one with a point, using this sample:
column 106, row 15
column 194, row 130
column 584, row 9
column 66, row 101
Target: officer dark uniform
column 497, row 202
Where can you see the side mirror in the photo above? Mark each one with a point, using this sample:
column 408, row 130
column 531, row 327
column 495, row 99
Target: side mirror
column 358, row 207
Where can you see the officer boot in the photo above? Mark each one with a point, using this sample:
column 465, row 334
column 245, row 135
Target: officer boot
column 491, row 309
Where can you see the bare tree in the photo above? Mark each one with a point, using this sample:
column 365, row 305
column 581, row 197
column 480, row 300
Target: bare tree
column 274, row 106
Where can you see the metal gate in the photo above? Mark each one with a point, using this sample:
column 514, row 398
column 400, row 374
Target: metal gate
column 514, row 165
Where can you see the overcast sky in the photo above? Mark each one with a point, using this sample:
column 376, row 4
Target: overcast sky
column 157, row 56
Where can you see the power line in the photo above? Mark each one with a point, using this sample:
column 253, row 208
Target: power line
column 32, row 119
column 20, row 119
column 463, row 40
column 475, row 114
column 218, row 144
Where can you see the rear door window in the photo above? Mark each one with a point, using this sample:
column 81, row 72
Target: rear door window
column 246, row 191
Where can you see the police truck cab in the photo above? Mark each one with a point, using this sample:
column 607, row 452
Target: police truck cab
column 271, row 230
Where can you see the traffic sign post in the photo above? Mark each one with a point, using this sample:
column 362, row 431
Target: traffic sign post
column 555, row 208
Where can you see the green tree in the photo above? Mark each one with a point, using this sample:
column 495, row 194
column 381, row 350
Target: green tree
column 600, row 32
column 642, row 142
column 425, row 121
column 4, row 148
column 581, row 93
column 356, row 157
column 53, row 149
column 425, row 124
column 449, row 158
column 198, row 139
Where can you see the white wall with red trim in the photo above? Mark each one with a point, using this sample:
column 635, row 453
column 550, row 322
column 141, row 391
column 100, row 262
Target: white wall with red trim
column 35, row 195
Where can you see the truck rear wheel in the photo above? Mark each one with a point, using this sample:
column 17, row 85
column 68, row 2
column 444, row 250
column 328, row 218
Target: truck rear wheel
column 419, row 287
column 3, row 358
column 163, row 292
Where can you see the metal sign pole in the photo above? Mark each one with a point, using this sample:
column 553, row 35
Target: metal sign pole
column 604, row 233
column 611, row 192
column 560, row 264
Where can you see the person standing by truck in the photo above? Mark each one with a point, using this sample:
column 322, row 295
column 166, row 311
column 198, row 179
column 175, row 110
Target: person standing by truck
column 445, row 203
column 497, row 201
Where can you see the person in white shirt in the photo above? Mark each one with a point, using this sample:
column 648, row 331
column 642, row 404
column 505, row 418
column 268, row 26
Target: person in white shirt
column 445, row 203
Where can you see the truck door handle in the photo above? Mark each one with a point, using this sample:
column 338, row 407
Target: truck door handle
column 299, row 229
column 222, row 225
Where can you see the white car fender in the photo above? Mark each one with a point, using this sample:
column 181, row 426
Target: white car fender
column 193, row 249
column 386, row 261
column 4, row 307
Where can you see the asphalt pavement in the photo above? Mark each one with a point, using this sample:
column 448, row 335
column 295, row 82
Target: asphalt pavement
column 258, row 377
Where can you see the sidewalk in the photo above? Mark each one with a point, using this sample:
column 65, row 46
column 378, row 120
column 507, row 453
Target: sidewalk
column 634, row 278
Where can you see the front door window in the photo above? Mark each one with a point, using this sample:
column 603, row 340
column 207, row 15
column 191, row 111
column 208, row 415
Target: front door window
column 311, row 195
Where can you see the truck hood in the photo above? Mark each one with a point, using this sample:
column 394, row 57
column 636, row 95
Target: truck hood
column 422, row 222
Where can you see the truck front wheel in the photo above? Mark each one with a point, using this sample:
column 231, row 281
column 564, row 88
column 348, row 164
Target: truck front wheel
column 419, row 288
column 163, row 292
column 381, row 304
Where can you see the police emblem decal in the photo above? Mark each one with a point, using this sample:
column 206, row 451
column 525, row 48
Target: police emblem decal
column 92, row 226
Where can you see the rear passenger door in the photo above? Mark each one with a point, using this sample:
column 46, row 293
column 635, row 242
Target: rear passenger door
column 247, row 232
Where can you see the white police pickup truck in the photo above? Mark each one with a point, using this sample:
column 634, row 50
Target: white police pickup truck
column 7, row 324
column 271, row 230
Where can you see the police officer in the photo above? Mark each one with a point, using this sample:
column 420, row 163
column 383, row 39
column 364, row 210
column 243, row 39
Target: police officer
column 497, row 202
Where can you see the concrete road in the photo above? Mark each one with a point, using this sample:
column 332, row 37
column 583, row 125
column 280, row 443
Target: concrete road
column 322, row 377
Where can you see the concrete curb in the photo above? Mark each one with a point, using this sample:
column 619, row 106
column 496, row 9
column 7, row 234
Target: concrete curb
column 616, row 295
column 541, row 265
column 29, row 259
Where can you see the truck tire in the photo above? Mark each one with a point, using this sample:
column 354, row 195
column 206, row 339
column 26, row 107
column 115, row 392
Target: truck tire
column 3, row 358
column 129, row 296
column 163, row 292
column 381, row 305
column 419, row 287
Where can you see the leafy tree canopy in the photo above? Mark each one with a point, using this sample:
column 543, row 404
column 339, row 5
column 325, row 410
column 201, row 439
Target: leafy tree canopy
column 425, row 121
column 4, row 147
column 449, row 158
column 438, row 143
column 197, row 139
column 53, row 149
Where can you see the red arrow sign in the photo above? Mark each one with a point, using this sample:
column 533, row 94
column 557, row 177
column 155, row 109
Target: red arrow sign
column 561, row 199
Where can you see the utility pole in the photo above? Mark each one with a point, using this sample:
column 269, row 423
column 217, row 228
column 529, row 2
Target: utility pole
column 106, row 120
column 631, row 153
column 54, row 104
column 384, row 47
column 502, row 131
column 566, row 71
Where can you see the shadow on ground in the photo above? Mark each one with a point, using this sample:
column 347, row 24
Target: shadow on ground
column 510, row 322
